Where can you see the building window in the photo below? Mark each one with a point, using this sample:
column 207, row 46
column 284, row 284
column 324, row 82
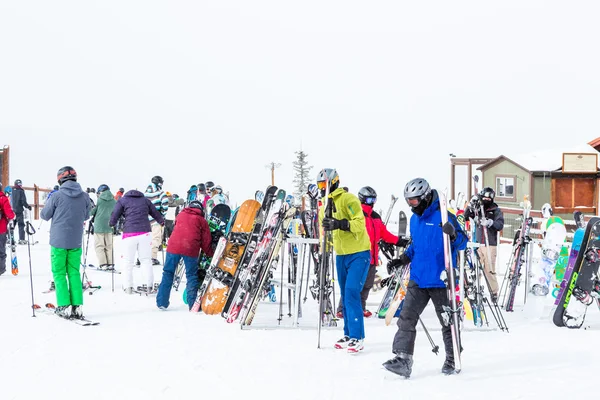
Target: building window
column 505, row 187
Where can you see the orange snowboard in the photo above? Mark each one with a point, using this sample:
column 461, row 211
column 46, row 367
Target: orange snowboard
column 217, row 291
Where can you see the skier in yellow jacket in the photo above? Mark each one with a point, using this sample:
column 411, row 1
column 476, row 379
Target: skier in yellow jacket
column 344, row 217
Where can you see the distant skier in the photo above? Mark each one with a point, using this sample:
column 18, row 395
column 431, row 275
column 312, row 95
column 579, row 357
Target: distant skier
column 19, row 204
column 119, row 194
column 103, row 233
column 159, row 199
column 68, row 209
column 352, row 247
column 175, row 205
column 137, row 236
column 6, row 216
column 54, row 190
column 377, row 231
column 201, row 194
column 191, row 235
column 493, row 220
column 426, row 257
column 208, row 189
column 217, row 198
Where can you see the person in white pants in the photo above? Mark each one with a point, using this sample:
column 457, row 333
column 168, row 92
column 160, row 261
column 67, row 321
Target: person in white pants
column 137, row 235
column 142, row 245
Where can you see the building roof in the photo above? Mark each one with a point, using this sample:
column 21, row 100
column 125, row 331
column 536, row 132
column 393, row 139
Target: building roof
column 541, row 160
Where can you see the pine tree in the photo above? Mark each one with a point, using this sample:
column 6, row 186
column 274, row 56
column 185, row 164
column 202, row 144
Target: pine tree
column 301, row 178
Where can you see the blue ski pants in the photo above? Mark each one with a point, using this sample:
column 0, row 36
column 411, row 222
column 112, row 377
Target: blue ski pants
column 191, row 274
column 352, row 270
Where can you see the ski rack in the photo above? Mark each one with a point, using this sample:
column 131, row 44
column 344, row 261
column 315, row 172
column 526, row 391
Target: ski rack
column 494, row 308
column 301, row 277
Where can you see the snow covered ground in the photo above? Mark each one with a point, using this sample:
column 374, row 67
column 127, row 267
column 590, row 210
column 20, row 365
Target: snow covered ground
column 139, row 352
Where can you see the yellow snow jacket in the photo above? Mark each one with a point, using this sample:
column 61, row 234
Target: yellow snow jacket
column 347, row 206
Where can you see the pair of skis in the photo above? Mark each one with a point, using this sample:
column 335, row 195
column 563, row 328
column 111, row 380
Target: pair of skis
column 51, row 309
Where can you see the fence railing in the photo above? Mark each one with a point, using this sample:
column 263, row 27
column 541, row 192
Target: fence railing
column 513, row 219
column 39, row 198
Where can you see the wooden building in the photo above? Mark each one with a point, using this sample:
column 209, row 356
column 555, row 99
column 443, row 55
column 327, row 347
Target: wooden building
column 567, row 180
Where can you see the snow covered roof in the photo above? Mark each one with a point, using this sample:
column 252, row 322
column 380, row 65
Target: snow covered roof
column 542, row 160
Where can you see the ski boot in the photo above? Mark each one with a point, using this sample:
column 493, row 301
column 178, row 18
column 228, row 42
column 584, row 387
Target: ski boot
column 448, row 367
column 63, row 311
column 355, row 346
column 77, row 312
column 342, row 343
column 400, row 365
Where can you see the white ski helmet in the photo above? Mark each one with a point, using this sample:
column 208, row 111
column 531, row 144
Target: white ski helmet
column 547, row 210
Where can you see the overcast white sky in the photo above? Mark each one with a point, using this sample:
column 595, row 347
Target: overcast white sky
column 383, row 91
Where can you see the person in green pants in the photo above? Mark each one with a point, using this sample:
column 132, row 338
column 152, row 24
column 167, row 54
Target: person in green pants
column 68, row 208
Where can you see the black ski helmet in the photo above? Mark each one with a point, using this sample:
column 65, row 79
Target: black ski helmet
column 102, row 188
column 122, row 190
column 209, row 185
column 66, row 174
column 367, row 195
column 196, row 204
column 417, row 194
column 157, row 180
column 56, row 187
column 18, row 182
column 201, row 187
column 487, row 195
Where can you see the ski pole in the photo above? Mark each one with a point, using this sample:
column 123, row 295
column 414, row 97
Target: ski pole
column 30, row 231
column 434, row 348
column 112, row 271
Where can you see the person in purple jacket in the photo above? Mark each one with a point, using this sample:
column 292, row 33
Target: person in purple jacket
column 135, row 208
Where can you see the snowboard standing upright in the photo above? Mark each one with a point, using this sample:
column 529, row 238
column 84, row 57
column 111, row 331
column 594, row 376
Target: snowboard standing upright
column 221, row 279
column 583, row 284
column 395, row 281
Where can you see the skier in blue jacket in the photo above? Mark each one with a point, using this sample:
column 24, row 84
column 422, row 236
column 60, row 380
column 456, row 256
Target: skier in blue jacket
column 426, row 257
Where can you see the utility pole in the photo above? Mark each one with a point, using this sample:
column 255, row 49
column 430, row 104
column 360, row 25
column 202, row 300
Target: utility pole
column 272, row 167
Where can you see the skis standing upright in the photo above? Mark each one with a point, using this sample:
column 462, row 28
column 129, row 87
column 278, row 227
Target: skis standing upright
column 450, row 280
column 13, row 250
column 325, row 258
column 519, row 257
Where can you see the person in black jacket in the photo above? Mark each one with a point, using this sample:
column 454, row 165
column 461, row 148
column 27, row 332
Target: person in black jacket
column 19, row 204
column 493, row 221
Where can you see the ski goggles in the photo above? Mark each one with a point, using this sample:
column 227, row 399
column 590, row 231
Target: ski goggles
column 322, row 185
column 413, row 201
column 370, row 200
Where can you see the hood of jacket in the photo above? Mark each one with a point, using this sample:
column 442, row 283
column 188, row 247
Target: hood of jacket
column 71, row 189
column 134, row 193
column 106, row 196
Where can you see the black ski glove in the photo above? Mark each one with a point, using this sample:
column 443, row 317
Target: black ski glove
column 331, row 224
column 28, row 207
column 449, row 229
column 402, row 241
column 399, row 262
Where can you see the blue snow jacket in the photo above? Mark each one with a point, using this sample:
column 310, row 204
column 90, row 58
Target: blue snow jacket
column 426, row 252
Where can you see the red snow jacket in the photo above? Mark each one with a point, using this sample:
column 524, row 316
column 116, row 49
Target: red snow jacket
column 6, row 212
column 377, row 231
column 190, row 234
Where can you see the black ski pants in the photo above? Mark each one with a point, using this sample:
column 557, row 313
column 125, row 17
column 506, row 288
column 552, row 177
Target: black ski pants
column 414, row 303
column 21, row 223
column 364, row 294
column 3, row 238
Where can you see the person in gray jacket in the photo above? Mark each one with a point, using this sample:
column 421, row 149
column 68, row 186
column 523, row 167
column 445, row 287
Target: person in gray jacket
column 68, row 209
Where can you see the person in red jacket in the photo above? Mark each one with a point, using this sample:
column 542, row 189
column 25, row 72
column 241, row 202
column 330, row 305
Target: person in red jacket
column 6, row 215
column 377, row 231
column 191, row 235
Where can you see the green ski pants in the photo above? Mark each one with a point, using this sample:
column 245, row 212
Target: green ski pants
column 65, row 269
